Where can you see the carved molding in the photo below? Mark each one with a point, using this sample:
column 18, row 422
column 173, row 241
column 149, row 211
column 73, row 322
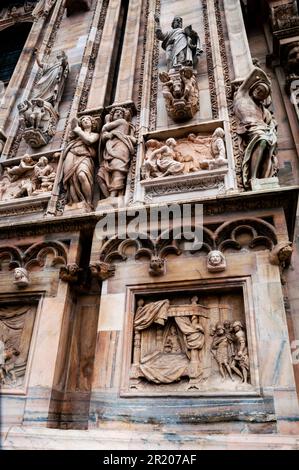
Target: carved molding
column 244, row 234
column 40, row 255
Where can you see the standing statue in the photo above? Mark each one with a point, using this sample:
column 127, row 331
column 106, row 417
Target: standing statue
column 78, row 165
column 50, row 85
column 179, row 84
column 39, row 114
column 257, row 127
column 182, row 46
column 43, row 8
column 118, row 147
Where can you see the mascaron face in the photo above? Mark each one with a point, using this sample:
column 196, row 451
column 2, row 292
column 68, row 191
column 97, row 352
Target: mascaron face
column 215, row 259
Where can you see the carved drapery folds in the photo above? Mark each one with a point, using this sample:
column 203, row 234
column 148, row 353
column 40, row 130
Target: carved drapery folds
column 39, row 114
column 2, row 140
column 115, row 151
column 176, row 345
column 28, row 178
column 256, row 128
column 179, row 83
column 16, row 325
column 186, row 155
column 78, row 163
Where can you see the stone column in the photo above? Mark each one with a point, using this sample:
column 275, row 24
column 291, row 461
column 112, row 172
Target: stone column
column 126, row 75
column 239, row 46
column 101, row 76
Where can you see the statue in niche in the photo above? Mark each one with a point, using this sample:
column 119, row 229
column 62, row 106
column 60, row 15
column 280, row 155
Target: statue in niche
column 116, row 148
column 257, row 127
column 27, row 178
column 43, row 8
column 78, row 165
column 220, row 349
column 163, row 159
column 182, row 45
column 179, row 84
column 216, row 261
column 39, row 115
column 168, row 342
column 21, row 277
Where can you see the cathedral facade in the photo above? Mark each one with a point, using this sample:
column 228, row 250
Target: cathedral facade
column 149, row 250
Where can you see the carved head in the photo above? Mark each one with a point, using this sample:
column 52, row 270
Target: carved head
column 157, row 265
column 153, row 144
column 27, row 159
column 140, row 303
column 177, row 22
column 21, row 277
column 219, row 132
column 192, row 137
column 216, row 261
column 120, row 113
column 237, row 326
column 219, row 329
column 43, row 162
column 86, row 122
column 215, row 258
column 62, row 57
column 187, row 72
column 171, row 142
column 164, row 77
column 260, row 91
column 227, row 325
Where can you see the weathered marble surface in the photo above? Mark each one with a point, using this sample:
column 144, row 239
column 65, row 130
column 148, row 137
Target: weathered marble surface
column 112, row 439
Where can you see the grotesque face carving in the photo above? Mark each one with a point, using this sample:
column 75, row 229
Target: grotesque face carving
column 21, row 277
column 216, row 261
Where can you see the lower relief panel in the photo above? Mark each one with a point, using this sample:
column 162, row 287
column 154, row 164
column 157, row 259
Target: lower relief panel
column 16, row 327
column 190, row 344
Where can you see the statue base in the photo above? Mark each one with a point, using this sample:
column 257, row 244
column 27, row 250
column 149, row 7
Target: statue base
column 264, row 183
column 78, row 207
column 104, row 204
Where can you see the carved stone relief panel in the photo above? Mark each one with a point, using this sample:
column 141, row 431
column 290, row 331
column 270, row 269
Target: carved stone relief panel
column 183, row 163
column 30, row 176
column 16, row 327
column 183, row 343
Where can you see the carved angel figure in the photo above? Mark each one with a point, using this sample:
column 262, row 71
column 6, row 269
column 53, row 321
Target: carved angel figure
column 182, row 45
column 78, row 165
column 257, row 127
column 117, row 142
